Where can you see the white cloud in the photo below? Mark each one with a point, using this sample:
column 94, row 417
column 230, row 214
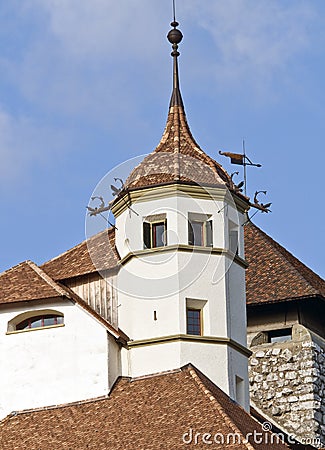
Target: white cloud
column 255, row 39
column 99, row 29
column 90, row 52
column 24, row 143
column 87, row 55
column 84, row 56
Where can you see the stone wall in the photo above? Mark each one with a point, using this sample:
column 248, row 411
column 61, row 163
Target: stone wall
column 287, row 383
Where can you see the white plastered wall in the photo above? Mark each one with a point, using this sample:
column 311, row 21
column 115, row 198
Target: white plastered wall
column 56, row 365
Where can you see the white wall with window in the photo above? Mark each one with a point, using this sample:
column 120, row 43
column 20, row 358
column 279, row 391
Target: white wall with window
column 176, row 287
column 53, row 352
column 174, row 217
column 200, row 230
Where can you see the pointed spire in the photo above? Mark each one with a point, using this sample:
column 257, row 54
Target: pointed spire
column 175, row 37
column 177, row 157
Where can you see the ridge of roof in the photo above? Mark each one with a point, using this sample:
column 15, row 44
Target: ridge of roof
column 16, row 266
column 216, row 404
column 304, row 271
column 217, row 396
column 265, row 256
column 26, row 281
column 62, row 291
column 75, row 247
column 90, row 256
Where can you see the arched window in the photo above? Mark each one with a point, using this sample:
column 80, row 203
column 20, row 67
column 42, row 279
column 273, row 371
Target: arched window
column 35, row 319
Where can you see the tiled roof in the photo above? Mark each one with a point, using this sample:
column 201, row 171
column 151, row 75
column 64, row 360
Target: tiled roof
column 150, row 413
column 178, row 158
column 97, row 253
column 273, row 273
column 26, row 281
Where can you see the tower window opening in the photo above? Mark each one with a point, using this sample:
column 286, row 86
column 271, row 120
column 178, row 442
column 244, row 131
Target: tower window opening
column 233, row 238
column 154, row 234
column 200, row 232
column 194, row 321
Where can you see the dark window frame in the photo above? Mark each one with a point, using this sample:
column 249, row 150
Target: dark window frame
column 194, row 321
column 234, row 241
column 150, row 239
column 206, row 238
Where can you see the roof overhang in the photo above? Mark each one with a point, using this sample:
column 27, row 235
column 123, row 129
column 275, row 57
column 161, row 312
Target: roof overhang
column 178, row 188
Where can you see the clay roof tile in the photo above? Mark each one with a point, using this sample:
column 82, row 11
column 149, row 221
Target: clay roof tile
column 152, row 413
column 274, row 274
column 25, row 282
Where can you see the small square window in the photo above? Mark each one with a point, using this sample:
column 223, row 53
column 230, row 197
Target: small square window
column 193, row 321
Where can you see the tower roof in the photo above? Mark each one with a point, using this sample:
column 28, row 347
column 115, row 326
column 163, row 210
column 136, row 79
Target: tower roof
column 178, row 158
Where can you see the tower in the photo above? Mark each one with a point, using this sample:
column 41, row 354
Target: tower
column 181, row 284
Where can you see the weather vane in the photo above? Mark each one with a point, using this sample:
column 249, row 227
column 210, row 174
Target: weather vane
column 99, row 210
column 240, row 159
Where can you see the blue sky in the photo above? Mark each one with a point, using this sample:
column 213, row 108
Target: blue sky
column 86, row 85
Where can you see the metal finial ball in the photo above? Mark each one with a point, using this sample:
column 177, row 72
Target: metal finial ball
column 174, row 36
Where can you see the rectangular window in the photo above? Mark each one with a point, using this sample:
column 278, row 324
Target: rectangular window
column 233, row 237
column 200, row 233
column 193, row 321
column 233, row 241
column 283, row 335
column 154, row 234
column 240, row 390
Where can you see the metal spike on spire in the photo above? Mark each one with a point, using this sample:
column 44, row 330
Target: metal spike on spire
column 175, row 37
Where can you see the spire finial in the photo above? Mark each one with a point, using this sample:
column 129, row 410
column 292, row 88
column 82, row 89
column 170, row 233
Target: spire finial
column 175, row 37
